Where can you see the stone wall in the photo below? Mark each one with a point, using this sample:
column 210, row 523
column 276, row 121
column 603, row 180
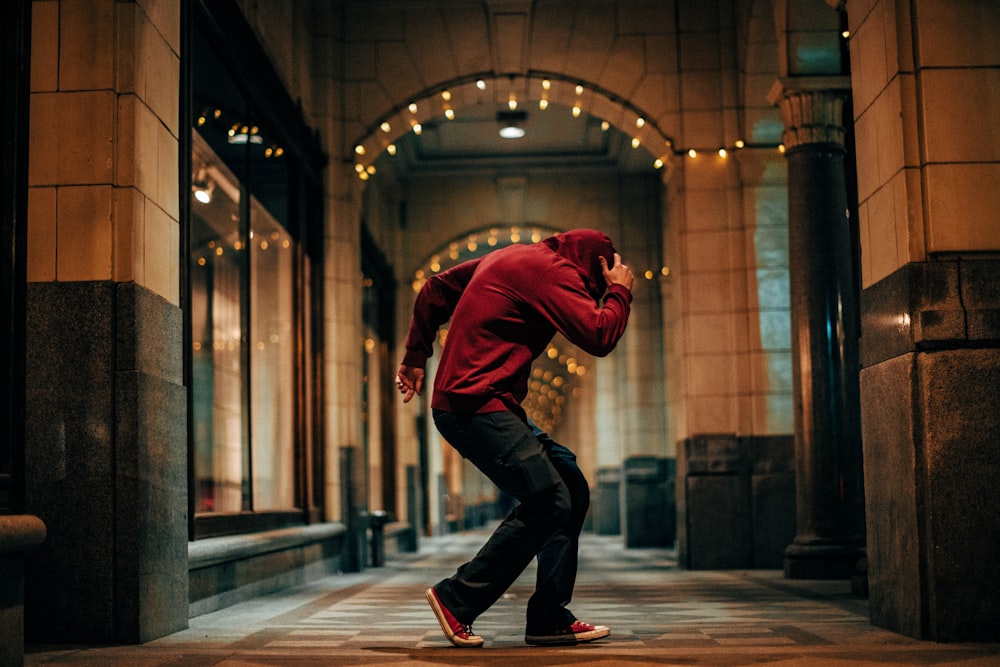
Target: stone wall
column 735, row 501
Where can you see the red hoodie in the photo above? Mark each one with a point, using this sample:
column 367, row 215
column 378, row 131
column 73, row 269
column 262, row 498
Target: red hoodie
column 504, row 310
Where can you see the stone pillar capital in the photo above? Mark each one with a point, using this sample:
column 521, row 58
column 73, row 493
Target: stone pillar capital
column 812, row 109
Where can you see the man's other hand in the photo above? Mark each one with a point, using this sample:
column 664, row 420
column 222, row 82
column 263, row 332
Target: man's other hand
column 409, row 381
column 619, row 274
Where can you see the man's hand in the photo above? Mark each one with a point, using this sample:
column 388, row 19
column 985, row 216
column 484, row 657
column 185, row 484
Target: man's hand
column 619, row 274
column 409, row 381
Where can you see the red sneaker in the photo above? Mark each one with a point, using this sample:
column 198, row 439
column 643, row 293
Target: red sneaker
column 457, row 633
column 576, row 633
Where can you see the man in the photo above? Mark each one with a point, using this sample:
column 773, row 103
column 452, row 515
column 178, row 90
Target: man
column 504, row 310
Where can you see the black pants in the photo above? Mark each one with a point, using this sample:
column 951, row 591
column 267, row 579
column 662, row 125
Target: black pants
column 552, row 496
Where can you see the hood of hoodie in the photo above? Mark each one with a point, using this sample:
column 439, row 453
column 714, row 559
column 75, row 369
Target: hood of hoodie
column 583, row 248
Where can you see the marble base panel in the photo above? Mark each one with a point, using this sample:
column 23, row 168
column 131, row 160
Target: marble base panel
column 105, row 463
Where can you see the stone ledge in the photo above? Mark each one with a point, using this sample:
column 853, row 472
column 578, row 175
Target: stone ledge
column 216, row 550
column 20, row 532
column 400, row 537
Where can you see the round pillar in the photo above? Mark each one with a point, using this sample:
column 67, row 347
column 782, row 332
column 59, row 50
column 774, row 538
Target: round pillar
column 825, row 328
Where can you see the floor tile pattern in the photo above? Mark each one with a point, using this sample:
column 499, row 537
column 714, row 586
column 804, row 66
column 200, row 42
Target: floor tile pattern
column 659, row 615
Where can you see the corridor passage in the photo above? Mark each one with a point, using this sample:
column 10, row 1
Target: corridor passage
column 659, row 615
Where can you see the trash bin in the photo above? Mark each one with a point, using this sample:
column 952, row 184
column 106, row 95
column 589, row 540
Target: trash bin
column 604, row 502
column 376, row 523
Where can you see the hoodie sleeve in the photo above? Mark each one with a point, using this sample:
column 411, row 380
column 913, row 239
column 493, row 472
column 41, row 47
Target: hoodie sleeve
column 563, row 299
column 435, row 303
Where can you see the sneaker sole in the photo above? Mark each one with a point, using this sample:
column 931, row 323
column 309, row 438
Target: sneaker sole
column 599, row 632
column 439, row 614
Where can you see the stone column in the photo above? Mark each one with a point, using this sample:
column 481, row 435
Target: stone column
column 105, row 416
column 829, row 487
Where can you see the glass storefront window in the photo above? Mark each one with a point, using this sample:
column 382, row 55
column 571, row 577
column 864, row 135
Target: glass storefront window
column 272, row 362
column 255, row 462
column 217, row 360
column 244, row 449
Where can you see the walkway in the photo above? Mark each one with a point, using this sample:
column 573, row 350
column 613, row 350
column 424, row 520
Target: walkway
column 659, row 615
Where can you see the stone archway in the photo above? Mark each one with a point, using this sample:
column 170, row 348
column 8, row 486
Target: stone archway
column 513, row 93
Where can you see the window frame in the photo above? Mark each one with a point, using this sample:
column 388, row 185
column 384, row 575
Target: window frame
column 14, row 202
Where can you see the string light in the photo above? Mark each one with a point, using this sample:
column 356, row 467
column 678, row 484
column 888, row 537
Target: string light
column 452, row 99
column 724, row 151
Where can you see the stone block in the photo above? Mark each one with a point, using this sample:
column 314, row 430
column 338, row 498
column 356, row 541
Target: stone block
column 71, row 138
column 771, row 454
column 127, row 243
column 773, row 517
column 962, row 463
column 649, row 512
column 962, row 200
column 980, row 290
column 106, row 464
column 69, row 471
column 956, row 98
column 718, row 521
column 84, row 235
column 735, row 501
column 714, row 454
column 86, row 45
column 920, row 305
column 41, row 265
column 930, row 504
column 44, row 48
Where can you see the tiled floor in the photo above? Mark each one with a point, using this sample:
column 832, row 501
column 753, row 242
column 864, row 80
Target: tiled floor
column 659, row 615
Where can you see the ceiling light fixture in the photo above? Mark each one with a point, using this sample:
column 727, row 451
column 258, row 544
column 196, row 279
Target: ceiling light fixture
column 511, row 123
column 202, row 186
column 242, row 134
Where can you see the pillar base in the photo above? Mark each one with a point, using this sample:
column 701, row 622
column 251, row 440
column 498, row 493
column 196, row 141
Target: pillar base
column 825, row 560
